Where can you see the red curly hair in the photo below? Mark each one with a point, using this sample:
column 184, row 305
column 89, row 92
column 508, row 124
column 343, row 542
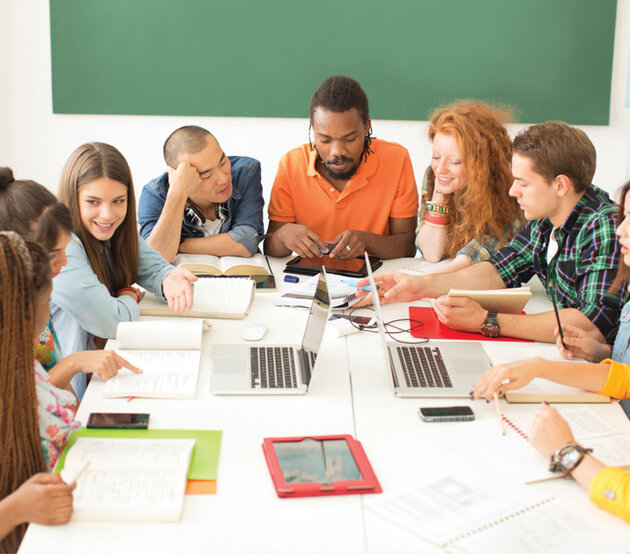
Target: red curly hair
column 483, row 207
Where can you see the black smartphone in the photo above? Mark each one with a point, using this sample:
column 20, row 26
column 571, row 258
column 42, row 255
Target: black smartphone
column 449, row 413
column 105, row 420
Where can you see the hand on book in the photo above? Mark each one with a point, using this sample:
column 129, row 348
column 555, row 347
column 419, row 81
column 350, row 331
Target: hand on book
column 580, row 345
column 460, row 313
column 504, row 377
column 177, row 290
column 44, row 498
column 105, row 363
column 550, row 431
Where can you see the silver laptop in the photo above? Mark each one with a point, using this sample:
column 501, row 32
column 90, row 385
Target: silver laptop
column 431, row 369
column 273, row 369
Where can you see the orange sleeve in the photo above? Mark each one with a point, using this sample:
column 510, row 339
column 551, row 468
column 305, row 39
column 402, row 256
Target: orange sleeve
column 281, row 207
column 610, row 490
column 618, row 382
column 406, row 200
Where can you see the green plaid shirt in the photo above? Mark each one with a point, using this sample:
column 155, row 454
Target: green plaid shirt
column 585, row 266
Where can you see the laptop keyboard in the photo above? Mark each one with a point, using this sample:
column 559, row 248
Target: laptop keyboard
column 273, row 367
column 423, row 367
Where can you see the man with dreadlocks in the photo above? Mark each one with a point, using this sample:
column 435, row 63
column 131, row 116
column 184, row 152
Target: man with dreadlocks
column 344, row 187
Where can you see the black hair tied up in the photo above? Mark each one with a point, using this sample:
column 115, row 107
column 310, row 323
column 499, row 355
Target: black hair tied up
column 6, row 177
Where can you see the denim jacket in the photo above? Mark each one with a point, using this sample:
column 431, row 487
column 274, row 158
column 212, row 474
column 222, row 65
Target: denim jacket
column 244, row 222
column 82, row 307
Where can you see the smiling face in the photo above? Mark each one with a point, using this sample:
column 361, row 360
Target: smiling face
column 623, row 231
column 339, row 140
column 447, row 164
column 215, row 171
column 102, row 207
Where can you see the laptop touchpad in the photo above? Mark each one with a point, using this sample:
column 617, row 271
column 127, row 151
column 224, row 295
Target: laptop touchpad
column 226, row 366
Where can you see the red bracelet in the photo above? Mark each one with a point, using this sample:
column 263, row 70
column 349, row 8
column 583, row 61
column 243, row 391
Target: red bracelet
column 431, row 217
column 130, row 289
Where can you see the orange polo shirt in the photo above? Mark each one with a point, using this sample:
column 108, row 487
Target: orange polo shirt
column 383, row 186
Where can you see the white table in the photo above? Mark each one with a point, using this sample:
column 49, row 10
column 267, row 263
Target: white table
column 350, row 393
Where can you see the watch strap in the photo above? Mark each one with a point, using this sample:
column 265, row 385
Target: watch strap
column 557, row 465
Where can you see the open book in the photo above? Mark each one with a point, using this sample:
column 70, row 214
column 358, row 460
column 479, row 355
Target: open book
column 507, row 301
column 228, row 298
column 474, row 513
column 206, row 264
column 129, row 479
column 341, row 293
column 167, row 351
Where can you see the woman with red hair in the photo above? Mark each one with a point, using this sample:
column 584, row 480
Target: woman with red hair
column 466, row 212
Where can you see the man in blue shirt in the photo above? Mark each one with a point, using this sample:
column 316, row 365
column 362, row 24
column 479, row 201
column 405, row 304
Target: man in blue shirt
column 206, row 203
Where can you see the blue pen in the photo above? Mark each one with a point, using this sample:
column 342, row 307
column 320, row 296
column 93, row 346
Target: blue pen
column 353, row 283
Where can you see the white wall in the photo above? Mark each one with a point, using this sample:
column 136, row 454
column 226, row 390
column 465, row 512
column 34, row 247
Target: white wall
column 35, row 142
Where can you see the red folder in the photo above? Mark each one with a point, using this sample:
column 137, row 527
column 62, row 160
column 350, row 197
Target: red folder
column 433, row 328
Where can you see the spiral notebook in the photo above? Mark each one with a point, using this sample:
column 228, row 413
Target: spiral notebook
column 478, row 513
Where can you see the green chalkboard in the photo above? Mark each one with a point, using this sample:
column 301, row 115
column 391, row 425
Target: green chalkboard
column 550, row 58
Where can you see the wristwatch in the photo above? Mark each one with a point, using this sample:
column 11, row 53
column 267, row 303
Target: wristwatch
column 566, row 459
column 490, row 326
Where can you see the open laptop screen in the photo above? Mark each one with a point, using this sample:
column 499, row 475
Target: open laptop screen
column 318, row 316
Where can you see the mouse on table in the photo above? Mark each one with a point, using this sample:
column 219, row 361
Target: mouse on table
column 253, row 332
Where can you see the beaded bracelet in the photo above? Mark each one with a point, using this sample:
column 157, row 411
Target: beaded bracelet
column 437, row 219
column 130, row 289
column 438, row 207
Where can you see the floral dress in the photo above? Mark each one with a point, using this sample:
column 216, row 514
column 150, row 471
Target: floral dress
column 47, row 347
column 55, row 412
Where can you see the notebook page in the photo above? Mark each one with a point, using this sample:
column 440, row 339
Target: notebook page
column 230, row 295
column 166, row 373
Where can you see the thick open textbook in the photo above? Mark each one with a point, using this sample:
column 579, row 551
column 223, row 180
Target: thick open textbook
column 129, row 479
column 507, row 301
column 229, row 298
column 167, row 351
column 206, row 264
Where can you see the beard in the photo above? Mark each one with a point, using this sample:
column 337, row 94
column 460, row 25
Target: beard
column 342, row 176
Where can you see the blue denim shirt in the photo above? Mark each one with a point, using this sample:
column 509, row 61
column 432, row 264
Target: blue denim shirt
column 245, row 208
column 621, row 348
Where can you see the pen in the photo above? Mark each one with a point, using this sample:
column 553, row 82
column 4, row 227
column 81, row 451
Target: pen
column 555, row 311
column 499, row 414
column 353, row 283
column 82, row 471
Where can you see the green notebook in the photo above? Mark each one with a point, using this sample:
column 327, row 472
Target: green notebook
column 205, row 458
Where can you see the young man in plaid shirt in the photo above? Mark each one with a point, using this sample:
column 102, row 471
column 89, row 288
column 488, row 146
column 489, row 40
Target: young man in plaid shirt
column 569, row 243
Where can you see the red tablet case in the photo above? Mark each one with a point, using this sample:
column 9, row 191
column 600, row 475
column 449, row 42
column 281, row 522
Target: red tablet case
column 368, row 485
column 433, row 328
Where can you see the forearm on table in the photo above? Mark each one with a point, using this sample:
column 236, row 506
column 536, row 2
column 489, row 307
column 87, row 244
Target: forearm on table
column 273, row 246
column 167, row 231
column 587, row 376
column 540, row 327
column 217, row 245
column 399, row 245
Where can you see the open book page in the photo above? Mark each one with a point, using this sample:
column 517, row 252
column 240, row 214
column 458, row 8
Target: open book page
column 162, row 334
column 451, row 506
column 235, row 265
column 591, row 430
column 199, row 263
column 165, row 374
column 121, row 485
column 511, row 301
column 231, row 295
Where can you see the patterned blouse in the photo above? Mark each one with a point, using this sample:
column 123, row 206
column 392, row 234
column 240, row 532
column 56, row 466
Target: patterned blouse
column 55, row 411
column 47, row 350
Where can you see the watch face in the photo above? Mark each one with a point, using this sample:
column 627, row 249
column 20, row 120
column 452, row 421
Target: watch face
column 570, row 458
column 490, row 330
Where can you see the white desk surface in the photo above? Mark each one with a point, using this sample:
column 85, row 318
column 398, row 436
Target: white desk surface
column 350, row 393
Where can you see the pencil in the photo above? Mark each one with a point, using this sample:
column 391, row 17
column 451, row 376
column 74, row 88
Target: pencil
column 82, row 471
column 543, row 479
column 499, row 414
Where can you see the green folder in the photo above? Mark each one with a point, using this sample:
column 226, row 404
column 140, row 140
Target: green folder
column 205, row 457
